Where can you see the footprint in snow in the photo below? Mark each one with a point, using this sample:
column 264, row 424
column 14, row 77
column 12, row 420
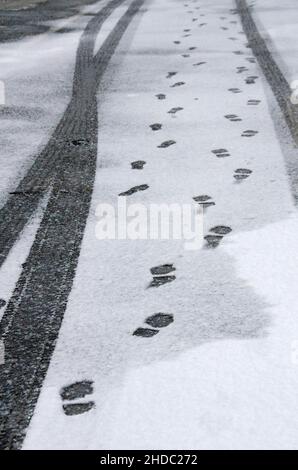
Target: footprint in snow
column 220, row 230
column 161, row 96
column 135, row 189
column 171, row 74
column 213, row 240
column 233, row 39
column 79, row 142
column 233, row 117
column 156, row 127
column 242, row 69
column 217, row 234
column 175, row 110
column 162, row 269
column 177, row 42
column 177, row 84
column 192, row 48
column 166, row 144
column 185, row 55
column 241, row 174
column 251, row 60
column 249, row 133
column 238, row 52
column 199, row 63
column 251, row 80
column 186, row 30
column 202, row 24
column 158, row 320
column 145, row 332
column 77, row 391
column 204, row 201
column 161, row 280
column 138, row 165
column 224, row 28
column 221, row 153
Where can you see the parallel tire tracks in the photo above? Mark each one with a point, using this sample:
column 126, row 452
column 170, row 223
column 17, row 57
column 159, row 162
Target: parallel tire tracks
column 35, row 311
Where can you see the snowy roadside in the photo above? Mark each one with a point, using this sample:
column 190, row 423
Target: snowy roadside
column 224, row 373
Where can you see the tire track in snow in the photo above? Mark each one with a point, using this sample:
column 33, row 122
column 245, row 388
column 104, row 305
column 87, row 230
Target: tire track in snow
column 34, row 313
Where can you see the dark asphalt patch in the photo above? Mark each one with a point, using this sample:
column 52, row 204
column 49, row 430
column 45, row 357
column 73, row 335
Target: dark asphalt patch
column 233, row 117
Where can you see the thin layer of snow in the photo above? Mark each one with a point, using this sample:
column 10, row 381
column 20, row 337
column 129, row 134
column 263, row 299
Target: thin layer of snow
column 37, row 74
column 223, row 375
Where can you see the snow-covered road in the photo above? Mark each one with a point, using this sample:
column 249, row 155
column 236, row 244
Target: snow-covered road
column 221, row 373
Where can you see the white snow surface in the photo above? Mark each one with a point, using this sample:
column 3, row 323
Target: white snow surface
column 223, row 375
